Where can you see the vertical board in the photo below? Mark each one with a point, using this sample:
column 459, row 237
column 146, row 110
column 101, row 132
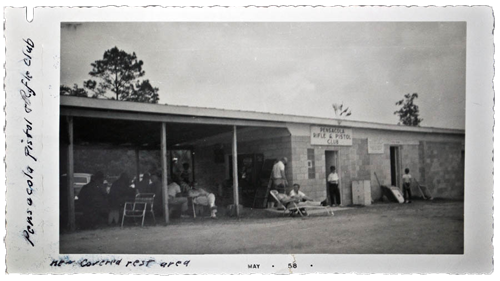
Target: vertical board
column 361, row 192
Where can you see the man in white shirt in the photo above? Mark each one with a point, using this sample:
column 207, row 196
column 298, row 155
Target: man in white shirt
column 298, row 196
column 176, row 203
column 278, row 175
column 333, row 187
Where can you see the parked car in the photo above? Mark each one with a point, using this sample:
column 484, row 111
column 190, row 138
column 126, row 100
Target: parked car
column 79, row 180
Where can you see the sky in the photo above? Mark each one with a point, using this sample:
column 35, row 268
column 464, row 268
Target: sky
column 289, row 68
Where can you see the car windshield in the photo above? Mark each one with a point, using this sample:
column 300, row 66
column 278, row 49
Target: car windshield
column 80, row 180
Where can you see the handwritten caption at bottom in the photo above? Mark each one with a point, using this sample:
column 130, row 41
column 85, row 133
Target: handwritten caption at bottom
column 119, row 262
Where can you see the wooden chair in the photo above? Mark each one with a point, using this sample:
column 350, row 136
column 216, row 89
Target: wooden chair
column 143, row 204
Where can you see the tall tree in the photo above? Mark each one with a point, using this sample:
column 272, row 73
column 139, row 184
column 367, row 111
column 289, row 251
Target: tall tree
column 75, row 91
column 119, row 73
column 408, row 113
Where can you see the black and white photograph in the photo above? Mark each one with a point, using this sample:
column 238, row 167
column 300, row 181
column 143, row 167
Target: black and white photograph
column 247, row 136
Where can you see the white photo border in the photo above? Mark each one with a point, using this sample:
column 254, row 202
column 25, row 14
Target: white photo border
column 45, row 32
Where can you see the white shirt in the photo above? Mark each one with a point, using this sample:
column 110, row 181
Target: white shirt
column 407, row 178
column 277, row 168
column 299, row 194
column 333, row 177
column 173, row 189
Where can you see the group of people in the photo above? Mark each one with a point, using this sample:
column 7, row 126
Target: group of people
column 280, row 183
column 96, row 203
column 182, row 189
column 180, row 193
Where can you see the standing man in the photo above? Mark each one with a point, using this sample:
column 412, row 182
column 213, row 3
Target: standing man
column 186, row 173
column 406, row 186
column 278, row 175
column 333, row 187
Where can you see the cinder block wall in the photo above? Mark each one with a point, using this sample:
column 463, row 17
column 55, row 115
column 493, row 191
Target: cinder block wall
column 210, row 173
column 315, row 188
column 444, row 169
column 380, row 164
column 437, row 164
column 410, row 158
column 354, row 164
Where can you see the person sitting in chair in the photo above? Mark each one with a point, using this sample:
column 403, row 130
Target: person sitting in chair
column 178, row 203
column 300, row 197
column 201, row 197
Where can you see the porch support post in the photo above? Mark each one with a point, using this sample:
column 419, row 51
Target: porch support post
column 164, row 182
column 137, row 167
column 69, row 177
column 235, row 173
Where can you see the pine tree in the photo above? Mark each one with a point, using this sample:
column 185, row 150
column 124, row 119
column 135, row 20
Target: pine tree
column 118, row 72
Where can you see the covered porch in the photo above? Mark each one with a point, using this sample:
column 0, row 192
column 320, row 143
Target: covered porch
column 168, row 136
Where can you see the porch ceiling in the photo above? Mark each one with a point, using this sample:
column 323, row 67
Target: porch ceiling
column 136, row 134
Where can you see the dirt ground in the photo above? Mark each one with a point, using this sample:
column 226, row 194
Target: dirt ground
column 422, row 227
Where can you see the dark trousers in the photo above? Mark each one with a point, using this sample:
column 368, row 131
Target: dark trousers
column 407, row 192
column 333, row 188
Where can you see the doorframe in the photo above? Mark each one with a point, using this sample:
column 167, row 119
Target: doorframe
column 339, row 172
column 398, row 164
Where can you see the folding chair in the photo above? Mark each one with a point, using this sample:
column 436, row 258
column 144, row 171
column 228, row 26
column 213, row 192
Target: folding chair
column 291, row 207
column 143, row 203
column 286, row 205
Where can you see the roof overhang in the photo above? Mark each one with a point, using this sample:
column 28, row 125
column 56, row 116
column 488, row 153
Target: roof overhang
column 112, row 109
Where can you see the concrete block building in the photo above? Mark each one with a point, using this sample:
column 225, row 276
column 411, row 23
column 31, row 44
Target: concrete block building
column 239, row 148
column 435, row 157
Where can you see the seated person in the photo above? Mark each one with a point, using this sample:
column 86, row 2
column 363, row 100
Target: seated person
column 176, row 203
column 299, row 197
column 184, row 187
column 285, row 200
column 201, row 197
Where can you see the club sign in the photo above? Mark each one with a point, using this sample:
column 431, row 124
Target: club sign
column 325, row 135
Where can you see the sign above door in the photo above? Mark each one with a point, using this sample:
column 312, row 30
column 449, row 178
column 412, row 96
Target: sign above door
column 326, row 135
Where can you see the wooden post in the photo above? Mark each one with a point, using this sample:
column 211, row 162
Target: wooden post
column 69, row 177
column 235, row 173
column 138, row 168
column 164, row 182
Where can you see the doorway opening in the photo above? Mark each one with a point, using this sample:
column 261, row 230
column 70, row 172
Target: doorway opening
column 332, row 159
column 182, row 163
column 395, row 166
column 249, row 177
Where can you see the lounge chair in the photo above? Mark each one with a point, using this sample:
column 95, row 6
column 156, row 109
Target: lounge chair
column 291, row 207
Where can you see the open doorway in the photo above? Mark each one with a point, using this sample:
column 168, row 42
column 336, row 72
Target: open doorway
column 182, row 163
column 395, row 166
column 249, row 177
column 332, row 159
